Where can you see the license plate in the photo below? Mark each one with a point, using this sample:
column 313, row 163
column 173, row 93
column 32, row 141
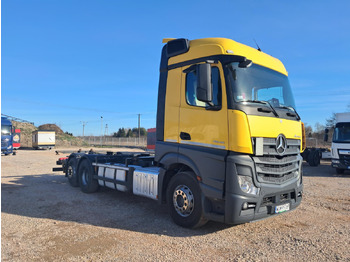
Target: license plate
column 282, row 208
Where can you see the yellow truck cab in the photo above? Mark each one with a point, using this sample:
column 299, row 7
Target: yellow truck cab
column 228, row 135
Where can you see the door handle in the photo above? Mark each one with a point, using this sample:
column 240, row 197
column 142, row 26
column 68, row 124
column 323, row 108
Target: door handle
column 185, row 136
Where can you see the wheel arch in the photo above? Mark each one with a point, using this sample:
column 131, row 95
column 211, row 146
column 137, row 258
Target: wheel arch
column 171, row 164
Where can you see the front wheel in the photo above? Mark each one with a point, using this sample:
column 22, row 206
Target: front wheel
column 184, row 200
column 86, row 177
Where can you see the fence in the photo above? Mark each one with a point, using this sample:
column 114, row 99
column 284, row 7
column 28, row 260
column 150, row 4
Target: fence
column 115, row 141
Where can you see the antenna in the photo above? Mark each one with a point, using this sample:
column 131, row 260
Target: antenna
column 257, row 45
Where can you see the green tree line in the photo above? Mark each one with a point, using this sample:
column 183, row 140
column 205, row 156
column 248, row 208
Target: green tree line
column 128, row 132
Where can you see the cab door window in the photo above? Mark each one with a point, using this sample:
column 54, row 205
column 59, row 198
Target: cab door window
column 191, row 83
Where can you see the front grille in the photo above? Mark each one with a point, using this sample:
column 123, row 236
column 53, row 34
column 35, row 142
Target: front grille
column 3, row 144
column 273, row 168
column 345, row 159
column 270, row 146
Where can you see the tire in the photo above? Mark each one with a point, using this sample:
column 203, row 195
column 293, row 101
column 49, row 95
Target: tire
column 310, row 158
column 314, row 158
column 317, row 157
column 184, row 200
column 340, row 171
column 72, row 172
column 86, row 180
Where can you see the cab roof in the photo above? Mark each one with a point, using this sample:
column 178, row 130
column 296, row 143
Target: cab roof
column 223, row 46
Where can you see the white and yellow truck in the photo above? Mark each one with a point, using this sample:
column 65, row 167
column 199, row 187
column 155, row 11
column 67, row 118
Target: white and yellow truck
column 228, row 138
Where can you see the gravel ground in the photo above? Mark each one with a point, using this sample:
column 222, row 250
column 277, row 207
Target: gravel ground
column 44, row 219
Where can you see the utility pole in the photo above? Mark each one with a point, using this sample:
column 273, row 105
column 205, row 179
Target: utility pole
column 84, row 124
column 101, row 131
column 106, row 130
column 139, row 128
column 106, row 134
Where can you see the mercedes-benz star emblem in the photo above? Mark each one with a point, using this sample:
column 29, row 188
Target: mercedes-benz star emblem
column 281, row 144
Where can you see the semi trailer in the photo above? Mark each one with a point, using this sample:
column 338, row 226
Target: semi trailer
column 228, row 139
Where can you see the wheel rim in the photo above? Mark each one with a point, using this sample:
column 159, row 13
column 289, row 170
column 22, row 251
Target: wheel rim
column 70, row 172
column 183, row 200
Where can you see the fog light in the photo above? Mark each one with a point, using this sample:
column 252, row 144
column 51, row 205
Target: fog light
column 247, row 186
column 245, row 206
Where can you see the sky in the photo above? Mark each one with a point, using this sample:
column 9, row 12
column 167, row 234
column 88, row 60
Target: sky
column 70, row 62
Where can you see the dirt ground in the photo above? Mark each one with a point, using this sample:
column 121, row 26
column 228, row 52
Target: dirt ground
column 45, row 219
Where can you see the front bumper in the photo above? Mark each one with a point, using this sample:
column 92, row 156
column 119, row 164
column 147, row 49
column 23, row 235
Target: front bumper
column 6, row 151
column 261, row 207
column 242, row 208
column 336, row 163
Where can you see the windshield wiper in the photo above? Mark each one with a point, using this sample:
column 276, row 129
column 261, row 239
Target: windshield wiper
column 264, row 103
column 292, row 109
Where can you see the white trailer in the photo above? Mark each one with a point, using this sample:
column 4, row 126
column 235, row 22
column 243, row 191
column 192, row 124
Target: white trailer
column 43, row 139
column 341, row 143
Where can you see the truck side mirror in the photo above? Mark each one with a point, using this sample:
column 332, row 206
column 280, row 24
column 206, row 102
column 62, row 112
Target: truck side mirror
column 326, row 135
column 204, row 89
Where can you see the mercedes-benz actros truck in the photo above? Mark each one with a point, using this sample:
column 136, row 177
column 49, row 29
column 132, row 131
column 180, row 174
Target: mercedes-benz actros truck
column 228, row 138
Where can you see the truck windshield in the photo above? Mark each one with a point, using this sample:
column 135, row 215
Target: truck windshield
column 256, row 83
column 342, row 133
column 5, row 130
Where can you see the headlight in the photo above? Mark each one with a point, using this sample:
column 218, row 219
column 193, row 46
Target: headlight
column 247, row 186
column 9, row 147
column 335, row 161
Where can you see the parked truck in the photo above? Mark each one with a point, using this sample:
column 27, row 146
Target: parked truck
column 43, row 139
column 341, row 143
column 228, row 138
column 6, row 136
column 16, row 138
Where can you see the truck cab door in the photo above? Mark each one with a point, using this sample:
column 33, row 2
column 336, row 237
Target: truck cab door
column 203, row 124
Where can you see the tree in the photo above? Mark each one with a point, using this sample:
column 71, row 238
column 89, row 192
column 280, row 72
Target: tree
column 319, row 128
column 308, row 130
column 121, row 133
column 330, row 122
column 143, row 131
column 129, row 133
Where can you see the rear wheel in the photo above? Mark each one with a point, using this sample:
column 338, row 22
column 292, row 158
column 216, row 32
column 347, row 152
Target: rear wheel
column 184, row 200
column 340, row 171
column 72, row 172
column 314, row 158
column 86, row 177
